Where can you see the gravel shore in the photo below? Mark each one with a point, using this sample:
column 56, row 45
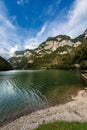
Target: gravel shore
column 75, row 110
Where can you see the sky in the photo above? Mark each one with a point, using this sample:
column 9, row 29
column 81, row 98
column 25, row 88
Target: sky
column 24, row 24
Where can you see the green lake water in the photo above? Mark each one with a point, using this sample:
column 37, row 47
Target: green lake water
column 28, row 90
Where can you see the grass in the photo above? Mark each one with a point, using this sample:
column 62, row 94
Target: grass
column 62, row 125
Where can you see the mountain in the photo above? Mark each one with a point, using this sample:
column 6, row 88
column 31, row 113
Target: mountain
column 4, row 65
column 53, row 53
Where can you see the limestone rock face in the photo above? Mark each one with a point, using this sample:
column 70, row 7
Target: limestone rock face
column 53, row 46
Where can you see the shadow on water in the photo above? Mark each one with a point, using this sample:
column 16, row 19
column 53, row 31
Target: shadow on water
column 22, row 91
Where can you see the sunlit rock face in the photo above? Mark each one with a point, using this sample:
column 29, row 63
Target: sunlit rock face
column 53, row 45
column 59, row 45
column 4, row 65
column 77, row 44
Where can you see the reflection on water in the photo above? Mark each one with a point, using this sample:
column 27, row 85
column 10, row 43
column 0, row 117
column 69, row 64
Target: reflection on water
column 22, row 91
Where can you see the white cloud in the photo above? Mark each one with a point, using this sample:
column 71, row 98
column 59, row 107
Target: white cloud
column 58, row 2
column 13, row 18
column 11, row 40
column 77, row 17
column 13, row 49
column 75, row 23
column 22, row 2
column 43, row 29
column 52, row 8
column 18, row 2
column 33, row 42
column 78, row 13
column 8, row 33
column 56, row 27
column 3, row 52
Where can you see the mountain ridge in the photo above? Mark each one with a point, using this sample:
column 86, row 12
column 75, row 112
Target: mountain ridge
column 52, row 50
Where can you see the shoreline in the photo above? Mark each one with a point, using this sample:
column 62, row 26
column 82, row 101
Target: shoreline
column 75, row 110
column 10, row 120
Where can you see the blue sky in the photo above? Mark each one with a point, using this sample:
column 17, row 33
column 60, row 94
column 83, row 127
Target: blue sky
column 24, row 24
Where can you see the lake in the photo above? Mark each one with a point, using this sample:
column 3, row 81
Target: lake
column 28, row 90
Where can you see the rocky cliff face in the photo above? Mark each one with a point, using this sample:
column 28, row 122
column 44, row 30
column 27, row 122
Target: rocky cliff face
column 4, row 65
column 51, row 49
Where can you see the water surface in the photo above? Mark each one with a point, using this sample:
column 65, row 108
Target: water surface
column 29, row 90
